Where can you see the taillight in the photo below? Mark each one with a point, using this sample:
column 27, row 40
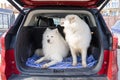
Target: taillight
column 115, row 43
column 2, row 57
column 104, row 67
column 8, row 65
column 113, row 66
column 0, row 54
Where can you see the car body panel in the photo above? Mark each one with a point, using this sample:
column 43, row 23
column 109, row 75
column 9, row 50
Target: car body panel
column 99, row 4
column 27, row 77
column 82, row 3
column 2, row 53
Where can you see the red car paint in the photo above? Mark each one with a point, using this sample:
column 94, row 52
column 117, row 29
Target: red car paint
column 84, row 3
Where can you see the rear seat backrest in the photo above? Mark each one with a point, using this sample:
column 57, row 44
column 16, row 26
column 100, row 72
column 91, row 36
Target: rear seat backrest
column 36, row 35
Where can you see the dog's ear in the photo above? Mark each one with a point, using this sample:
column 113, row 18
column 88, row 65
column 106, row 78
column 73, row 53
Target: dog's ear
column 72, row 19
column 48, row 29
column 56, row 30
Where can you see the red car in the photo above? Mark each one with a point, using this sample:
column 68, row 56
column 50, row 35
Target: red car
column 18, row 44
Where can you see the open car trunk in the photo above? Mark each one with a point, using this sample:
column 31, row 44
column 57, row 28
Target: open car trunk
column 29, row 38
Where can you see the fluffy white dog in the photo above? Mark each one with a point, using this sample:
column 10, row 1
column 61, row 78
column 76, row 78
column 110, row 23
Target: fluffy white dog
column 78, row 36
column 54, row 47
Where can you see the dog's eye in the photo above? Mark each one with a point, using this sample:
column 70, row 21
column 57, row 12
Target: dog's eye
column 51, row 36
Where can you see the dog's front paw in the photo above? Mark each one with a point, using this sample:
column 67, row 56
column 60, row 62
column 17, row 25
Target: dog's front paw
column 45, row 66
column 36, row 62
column 74, row 64
column 84, row 65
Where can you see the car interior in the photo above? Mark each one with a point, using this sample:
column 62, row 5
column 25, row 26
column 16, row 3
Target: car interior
column 33, row 29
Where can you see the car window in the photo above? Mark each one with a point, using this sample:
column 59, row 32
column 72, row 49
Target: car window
column 56, row 21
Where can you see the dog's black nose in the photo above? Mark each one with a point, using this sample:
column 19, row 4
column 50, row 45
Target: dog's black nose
column 48, row 41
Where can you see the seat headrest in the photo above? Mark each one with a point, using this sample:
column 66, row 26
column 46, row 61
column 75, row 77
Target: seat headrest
column 45, row 22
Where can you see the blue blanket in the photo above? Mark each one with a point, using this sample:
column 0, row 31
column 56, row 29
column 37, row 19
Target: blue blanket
column 65, row 64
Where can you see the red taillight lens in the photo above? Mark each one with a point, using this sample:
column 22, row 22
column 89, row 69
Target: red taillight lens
column 105, row 63
column 113, row 66
column 2, row 57
column 2, row 41
column 115, row 43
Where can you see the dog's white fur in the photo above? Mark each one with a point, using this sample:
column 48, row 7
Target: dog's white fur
column 54, row 47
column 78, row 36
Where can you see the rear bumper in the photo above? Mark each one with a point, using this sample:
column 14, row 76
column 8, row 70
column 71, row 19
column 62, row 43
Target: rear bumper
column 23, row 77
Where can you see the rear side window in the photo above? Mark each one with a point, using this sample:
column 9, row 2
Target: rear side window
column 56, row 21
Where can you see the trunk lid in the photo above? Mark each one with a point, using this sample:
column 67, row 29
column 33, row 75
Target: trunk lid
column 74, row 3
column 83, row 3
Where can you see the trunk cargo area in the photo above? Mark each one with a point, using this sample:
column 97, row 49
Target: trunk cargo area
column 29, row 38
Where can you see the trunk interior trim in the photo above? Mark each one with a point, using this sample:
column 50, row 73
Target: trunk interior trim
column 34, row 12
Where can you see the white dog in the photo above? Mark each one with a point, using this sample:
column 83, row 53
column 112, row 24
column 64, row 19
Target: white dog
column 78, row 36
column 54, row 47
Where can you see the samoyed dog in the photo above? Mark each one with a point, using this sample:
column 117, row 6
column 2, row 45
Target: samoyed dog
column 78, row 36
column 54, row 47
